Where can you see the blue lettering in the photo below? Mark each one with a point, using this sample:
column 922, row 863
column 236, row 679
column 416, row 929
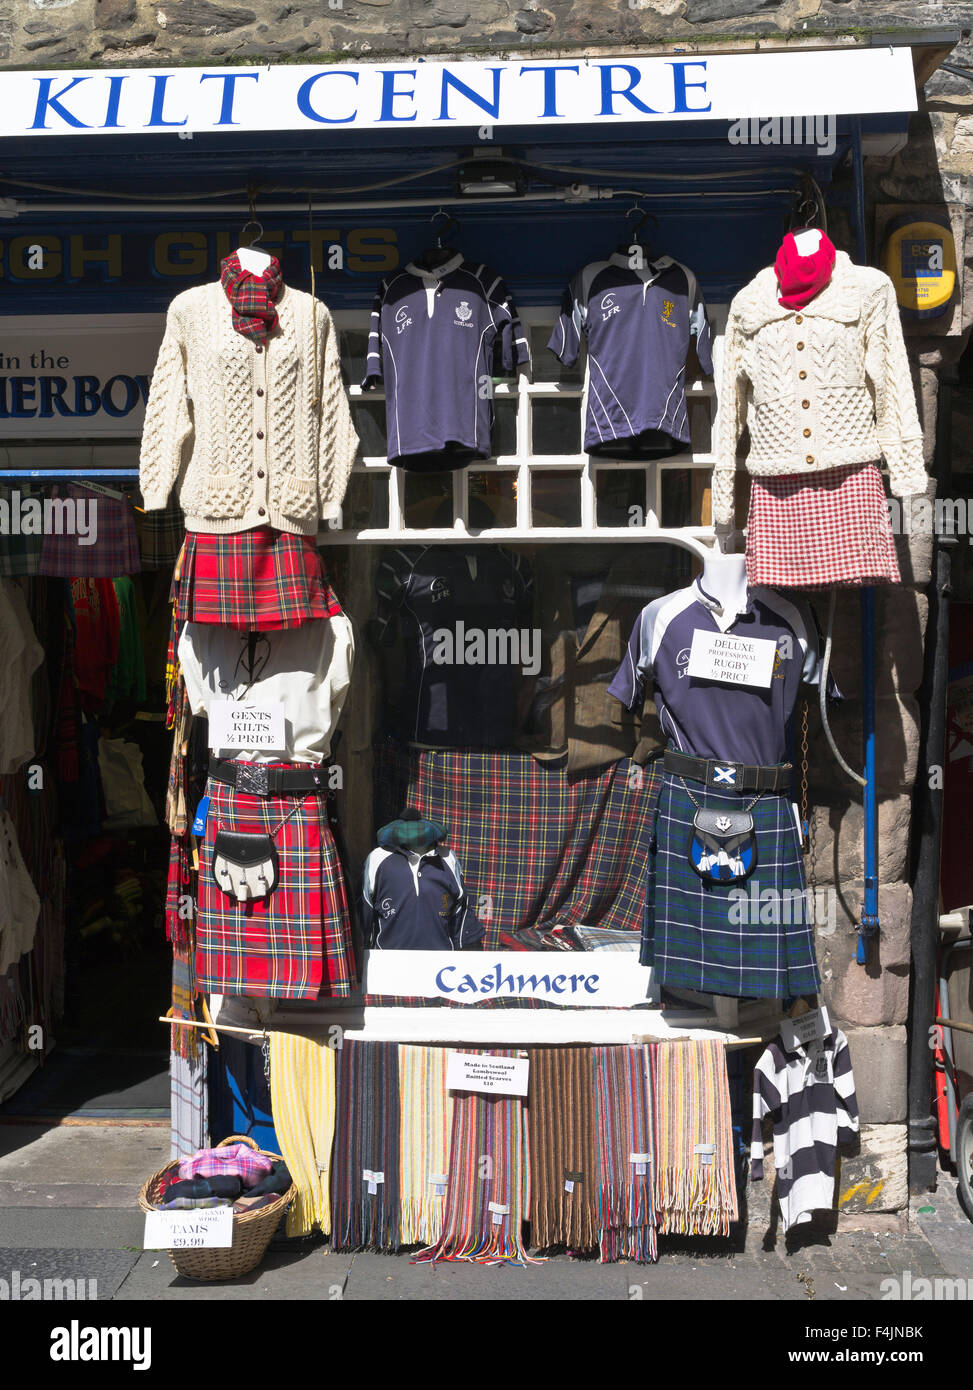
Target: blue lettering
column 131, row 396
column 557, row 984
column 467, row 985
column 52, row 396
column 491, row 108
column 440, row 981
column 159, row 101
column 507, row 980
column 591, row 980
column 609, row 92
column 389, row 94
column 143, row 384
column 681, row 86
column 229, row 80
column 86, row 398
column 534, row 982
column 45, row 101
column 22, row 392
column 304, row 98
column 550, row 85
column 576, row 980
column 114, row 97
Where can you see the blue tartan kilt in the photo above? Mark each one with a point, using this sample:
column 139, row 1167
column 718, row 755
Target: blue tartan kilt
column 752, row 939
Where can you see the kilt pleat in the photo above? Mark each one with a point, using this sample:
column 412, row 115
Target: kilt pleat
column 260, row 580
column 751, row 940
column 295, row 943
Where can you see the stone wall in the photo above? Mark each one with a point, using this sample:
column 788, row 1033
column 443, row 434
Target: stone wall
column 65, row 32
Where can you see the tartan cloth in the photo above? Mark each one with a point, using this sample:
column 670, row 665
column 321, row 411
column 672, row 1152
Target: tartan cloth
column 537, row 848
column 415, row 834
column 259, row 580
column 252, row 297
column 831, row 528
column 749, row 940
column 183, row 1042
column 625, row 1144
column 296, row 942
column 180, row 892
column 564, row 1173
column 19, row 554
column 232, row 1160
column 366, row 1141
column 114, row 552
column 694, row 1193
column 161, row 534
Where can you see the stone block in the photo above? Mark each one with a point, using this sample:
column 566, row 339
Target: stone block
column 436, row 14
column 837, row 852
column 200, row 19
column 879, row 1062
column 705, row 11
column 878, row 991
column 900, row 625
column 897, row 745
column 530, row 21
column 114, row 14
column 874, row 1177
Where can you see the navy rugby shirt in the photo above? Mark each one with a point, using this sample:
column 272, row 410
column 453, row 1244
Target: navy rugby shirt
column 418, row 902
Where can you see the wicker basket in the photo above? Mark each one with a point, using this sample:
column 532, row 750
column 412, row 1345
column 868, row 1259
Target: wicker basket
column 252, row 1230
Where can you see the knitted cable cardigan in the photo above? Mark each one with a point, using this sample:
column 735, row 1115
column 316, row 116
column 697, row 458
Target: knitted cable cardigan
column 237, row 428
column 818, row 387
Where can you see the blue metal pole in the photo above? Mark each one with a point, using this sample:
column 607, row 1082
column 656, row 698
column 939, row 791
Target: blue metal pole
column 868, row 922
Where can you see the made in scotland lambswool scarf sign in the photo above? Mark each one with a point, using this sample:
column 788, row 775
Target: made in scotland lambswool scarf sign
column 626, row 1154
column 365, row 1165
column 564, row 1171
column 695, row 1188
column 252, row 297
column 426, row 1119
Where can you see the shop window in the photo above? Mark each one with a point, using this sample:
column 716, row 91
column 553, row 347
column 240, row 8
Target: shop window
column 555, row 497
column 369, row 418
column 504, row 439
column 620, row 496
column 492, row 500
column 556, row 426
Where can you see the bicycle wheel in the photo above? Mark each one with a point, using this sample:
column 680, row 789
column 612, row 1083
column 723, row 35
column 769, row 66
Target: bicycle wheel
column 964, row 1154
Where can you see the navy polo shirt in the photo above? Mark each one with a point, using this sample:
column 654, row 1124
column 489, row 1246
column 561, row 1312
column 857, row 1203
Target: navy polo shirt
column 710, row 719
column 417, row 902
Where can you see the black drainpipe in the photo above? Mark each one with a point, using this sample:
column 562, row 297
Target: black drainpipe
column 927, row 802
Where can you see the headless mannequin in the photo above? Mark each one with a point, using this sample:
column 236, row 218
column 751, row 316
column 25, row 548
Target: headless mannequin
column 253, row 260
column 724, row 578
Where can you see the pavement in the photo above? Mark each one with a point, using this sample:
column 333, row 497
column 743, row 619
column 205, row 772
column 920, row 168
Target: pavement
column 68, row 1210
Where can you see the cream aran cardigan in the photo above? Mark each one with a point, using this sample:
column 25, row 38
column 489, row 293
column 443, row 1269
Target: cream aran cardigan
column 247, row 434
column 817, row 387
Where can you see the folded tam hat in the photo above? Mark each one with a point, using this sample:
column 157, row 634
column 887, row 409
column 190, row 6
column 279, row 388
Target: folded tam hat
column 411, row 831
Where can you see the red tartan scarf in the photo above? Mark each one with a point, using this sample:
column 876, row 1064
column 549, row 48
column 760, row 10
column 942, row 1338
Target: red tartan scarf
column 802, row 277
column 252, row 297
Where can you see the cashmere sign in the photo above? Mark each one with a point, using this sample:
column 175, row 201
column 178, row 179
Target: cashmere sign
column 595, row 979
column 451, row 95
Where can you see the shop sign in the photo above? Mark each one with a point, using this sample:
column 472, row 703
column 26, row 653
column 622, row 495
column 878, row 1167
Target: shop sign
column 594, row 979
column 474, row 1071
column 451, row 95
column 83, row 375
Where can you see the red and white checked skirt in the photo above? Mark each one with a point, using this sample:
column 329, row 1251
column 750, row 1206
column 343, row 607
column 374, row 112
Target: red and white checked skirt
column 295, row 943
column 259, row 580
column 827, row 528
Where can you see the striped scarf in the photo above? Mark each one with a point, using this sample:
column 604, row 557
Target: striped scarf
column 364, row 1209
column 427, row 1114
column 185, row 1042
column 695, row 1187
column 625, row 1145
column 302, row 1098
column 563, row 1207
column 252, row 297
column 489, row 1182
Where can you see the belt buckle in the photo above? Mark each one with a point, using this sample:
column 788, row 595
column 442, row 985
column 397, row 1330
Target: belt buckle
column 253, row 778
column 723, row 774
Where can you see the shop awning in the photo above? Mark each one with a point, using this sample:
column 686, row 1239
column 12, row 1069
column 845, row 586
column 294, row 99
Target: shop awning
column 600, row 92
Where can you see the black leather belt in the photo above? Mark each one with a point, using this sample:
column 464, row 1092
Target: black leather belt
column 722, row 775
column 262, row 780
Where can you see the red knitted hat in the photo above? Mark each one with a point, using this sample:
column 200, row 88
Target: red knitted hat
column 802, row 277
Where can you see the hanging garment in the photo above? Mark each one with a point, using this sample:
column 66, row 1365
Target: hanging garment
column 21, row 654
column 537, row 847
column 624, row 1122
column 161, row 535
column 184, row 1042
column 819, row 388
column 415, row 899
column 638, row 318
column 295, row 943
column 749, row 940
column 302, row 1089
column 253, row 298
column 307, row 670
column 432, row 342
column 694, row 1188
column 270, row 439
column 488, row 1192
column 19, row 902
column 96, row 646
column 461, row 615
column 426, row 1123
column 365, row 1168
column 257, row 580
column 95, row 536
column 832, row 529
column 808, row 1090
column 564, row 1170
column 20, row 549
column 240, row 1091
column 126, row 680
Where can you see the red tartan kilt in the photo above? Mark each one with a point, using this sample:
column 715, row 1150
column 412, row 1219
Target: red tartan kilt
column 827, row 528
column 259, row 580
column 295, row 943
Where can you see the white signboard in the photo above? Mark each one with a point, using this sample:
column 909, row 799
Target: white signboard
column 189, row 1230
column 249, row 727
column 408, row 95
column 79, row 375
column 581, row 979
column 732, row 660
column 505, row 1076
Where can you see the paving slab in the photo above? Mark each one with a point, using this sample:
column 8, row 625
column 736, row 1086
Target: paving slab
column 309, row 1272
column 57, row 1228
column 55, row 1275
column 392, row 1277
